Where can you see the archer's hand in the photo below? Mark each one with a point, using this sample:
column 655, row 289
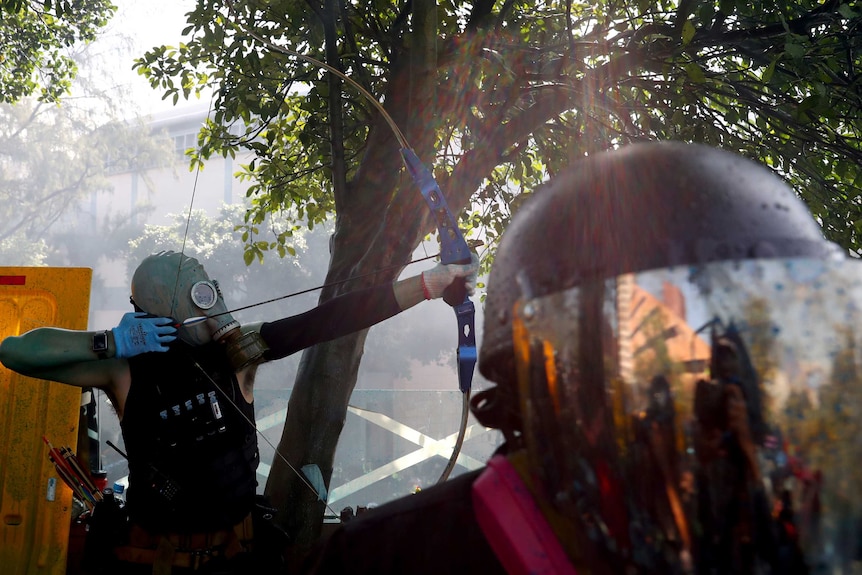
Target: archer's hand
column 139, row 334
column 441, row 276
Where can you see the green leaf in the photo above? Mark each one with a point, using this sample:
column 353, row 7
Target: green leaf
column 841, row 169
column 688, row 32
column 731, row 116
column 695, row 73
column 848, row 12
column 768, row 72
column 795, row 51
column 808, row 103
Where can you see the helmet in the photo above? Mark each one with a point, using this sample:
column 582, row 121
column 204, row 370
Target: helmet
column 679, row 343
column 174, row 285
column 641, row 207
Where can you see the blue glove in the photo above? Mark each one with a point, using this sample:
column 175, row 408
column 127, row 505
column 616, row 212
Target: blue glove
column 139, row 333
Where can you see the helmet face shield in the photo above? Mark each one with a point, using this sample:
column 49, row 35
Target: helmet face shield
column 704, row 418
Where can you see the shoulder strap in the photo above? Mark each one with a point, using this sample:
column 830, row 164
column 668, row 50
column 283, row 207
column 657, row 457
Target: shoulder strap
column 513, row 524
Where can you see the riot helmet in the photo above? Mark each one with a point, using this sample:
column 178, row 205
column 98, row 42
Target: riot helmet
column 174, row 285
column 680, row 344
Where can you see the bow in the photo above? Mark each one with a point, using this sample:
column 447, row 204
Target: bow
column 453, row 250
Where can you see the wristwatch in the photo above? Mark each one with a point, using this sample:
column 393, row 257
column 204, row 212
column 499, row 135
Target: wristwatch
column 100, row 344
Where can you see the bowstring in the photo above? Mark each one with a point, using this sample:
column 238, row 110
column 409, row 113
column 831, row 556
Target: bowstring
column 198, row 163
column 253, row 424
column 174, row 302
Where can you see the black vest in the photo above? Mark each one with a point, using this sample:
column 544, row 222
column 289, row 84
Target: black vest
column 192, row 453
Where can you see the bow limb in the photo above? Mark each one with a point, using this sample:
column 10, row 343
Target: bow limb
column 453, row 250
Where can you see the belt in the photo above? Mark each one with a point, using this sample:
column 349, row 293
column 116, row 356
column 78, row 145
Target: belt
column 189, row 550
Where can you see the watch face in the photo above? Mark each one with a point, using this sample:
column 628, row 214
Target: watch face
column 100, row 342
column 204, row 294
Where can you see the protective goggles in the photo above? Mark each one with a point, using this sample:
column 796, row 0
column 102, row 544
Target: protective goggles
column 702, row 415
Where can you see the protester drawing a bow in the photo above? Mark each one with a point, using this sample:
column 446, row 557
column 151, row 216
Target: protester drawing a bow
column 183, row 390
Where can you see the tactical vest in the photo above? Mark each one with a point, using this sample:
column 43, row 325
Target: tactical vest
column 192, row 453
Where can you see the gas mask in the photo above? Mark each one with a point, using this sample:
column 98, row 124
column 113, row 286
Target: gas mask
column 174, row 285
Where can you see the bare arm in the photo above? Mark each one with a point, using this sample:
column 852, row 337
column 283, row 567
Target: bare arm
column 62, row 355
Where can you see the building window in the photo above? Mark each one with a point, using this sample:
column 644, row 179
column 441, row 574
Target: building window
column 183, row 142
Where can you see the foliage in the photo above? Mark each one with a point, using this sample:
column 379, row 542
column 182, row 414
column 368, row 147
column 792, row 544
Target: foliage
column 51, row 157
column 34, row 41
column 498, row 96
column 823, row 425
column 216, row 243
column 538, row 84
column 19, row 251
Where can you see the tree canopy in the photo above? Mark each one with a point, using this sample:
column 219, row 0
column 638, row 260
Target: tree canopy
column 34, row 40
column 497, row 96
column 777, row 81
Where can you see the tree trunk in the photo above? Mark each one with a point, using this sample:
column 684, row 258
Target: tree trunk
column 324, row 383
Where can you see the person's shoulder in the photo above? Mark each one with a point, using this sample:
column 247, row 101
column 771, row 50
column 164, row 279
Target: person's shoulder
column 420, row 533
column 450, row 497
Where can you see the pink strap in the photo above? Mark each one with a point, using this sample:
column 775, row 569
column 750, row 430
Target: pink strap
column 513, row 524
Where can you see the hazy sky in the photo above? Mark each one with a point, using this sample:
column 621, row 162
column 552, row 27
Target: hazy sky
column 136, row 27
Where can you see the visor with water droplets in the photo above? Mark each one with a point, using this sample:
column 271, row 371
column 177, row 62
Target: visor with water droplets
column 703, row 419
